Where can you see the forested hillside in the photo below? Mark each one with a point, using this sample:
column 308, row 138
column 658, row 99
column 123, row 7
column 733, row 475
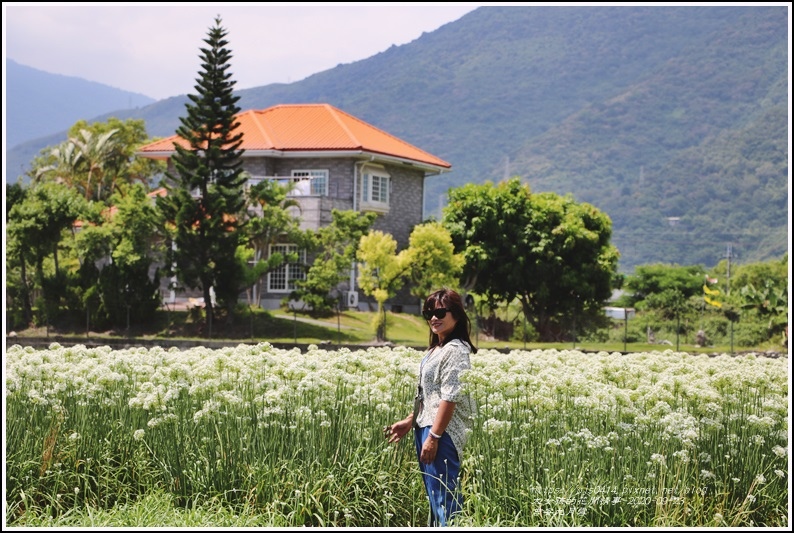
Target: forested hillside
column 673, row 119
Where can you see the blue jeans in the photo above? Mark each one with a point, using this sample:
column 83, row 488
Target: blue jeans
column 440, row 478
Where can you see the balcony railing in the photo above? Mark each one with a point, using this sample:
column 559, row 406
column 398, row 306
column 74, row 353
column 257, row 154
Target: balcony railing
column 299, row 185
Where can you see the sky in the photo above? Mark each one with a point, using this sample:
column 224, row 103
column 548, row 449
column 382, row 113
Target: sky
column 153, row 48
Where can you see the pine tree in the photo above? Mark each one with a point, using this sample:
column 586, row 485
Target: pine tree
column 205, row 200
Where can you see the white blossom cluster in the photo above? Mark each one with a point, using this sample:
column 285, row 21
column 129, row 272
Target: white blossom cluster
column 545, row 394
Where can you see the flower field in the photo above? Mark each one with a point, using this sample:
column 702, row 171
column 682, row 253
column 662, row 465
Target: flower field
column 284, row 438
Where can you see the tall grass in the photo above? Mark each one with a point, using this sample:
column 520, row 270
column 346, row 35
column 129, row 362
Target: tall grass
column 283, row 438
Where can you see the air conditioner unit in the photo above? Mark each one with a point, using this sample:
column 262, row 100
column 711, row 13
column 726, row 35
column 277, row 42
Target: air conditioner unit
column 352, row 299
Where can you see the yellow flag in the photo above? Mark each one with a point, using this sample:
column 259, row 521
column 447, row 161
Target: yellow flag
column 713, row 292
column 712, row 302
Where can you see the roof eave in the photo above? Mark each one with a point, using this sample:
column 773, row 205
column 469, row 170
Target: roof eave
column 361, row 154
column 421, row 165
column 163, row 154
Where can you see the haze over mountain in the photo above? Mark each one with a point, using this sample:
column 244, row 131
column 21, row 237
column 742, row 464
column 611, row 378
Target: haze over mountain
column 672, row 120
column 45, row 103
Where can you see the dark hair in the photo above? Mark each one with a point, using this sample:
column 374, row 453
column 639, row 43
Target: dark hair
column 452, row 301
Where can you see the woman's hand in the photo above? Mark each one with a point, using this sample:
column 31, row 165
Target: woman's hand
column 429, row 450
column 398, row 430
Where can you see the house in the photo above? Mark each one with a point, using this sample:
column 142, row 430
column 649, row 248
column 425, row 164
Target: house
column 335, row 161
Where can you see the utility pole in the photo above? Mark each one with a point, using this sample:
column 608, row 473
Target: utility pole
column 728, row 255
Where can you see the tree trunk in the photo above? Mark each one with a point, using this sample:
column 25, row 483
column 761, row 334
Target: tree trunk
column 380, row 331
column 55, row 258
column 208, row 309
column 26, row 305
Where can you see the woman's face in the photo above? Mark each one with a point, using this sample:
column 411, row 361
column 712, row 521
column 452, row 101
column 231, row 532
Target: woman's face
column 442, row 326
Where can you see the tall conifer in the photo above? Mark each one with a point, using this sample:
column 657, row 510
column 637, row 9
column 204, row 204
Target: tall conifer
column 205, row 198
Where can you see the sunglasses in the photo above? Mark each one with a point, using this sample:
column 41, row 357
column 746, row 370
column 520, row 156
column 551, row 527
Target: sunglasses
column 439, row 313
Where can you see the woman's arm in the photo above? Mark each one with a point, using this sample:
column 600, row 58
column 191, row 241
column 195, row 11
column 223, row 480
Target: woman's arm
column 430, row 445
column 443, row 416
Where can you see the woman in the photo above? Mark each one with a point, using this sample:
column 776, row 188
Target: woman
column 442, row 414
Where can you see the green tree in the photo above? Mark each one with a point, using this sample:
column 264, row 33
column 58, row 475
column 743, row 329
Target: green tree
column 381, row 273
column 119, row 253
column 97, row 158
column 768, row 302
column 130, row 135
column 85, row 163
column 550, row 252
column 428, row 263
column 654, row 286
column 672, row 297
column 763, row 290
column 756, row 274
column 205, row 201
column 18, row 286
column 15, row 193
column 335, row 246
column 36, row 227
column 432, row 260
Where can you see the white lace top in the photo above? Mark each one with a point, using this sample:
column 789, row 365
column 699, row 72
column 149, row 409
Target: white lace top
column 440, row 374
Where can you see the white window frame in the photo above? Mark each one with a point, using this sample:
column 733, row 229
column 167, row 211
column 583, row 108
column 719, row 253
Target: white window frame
column 287, row 274
column 318, row 180
column 375, row 189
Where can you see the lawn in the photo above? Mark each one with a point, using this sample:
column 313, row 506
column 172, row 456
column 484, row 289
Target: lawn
column 344, row 328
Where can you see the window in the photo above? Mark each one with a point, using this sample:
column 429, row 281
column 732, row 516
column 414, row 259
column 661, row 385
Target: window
column 375, row 190
column 313, row 182
column 283, row 278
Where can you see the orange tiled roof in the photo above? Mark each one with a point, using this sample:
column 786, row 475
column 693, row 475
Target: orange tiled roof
column 309, row 128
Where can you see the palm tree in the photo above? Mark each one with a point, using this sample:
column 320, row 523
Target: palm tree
column 100, row 155
column 88, row 162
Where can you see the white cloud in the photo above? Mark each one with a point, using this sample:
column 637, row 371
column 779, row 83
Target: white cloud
column 153, row 48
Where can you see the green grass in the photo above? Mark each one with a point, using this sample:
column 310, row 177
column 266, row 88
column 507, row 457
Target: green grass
column 158, row 508
column 345, row 328
column 355, row 327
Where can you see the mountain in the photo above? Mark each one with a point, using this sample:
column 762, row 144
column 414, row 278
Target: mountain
column 45, row 103
column 673, row 120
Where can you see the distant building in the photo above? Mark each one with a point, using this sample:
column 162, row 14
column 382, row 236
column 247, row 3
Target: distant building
column 336, row 161
column 619, row 313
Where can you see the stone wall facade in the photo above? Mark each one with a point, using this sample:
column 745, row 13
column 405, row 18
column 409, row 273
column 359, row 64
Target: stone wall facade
column 345, row 174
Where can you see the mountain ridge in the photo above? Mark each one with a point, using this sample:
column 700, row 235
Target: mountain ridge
column 61, row 101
